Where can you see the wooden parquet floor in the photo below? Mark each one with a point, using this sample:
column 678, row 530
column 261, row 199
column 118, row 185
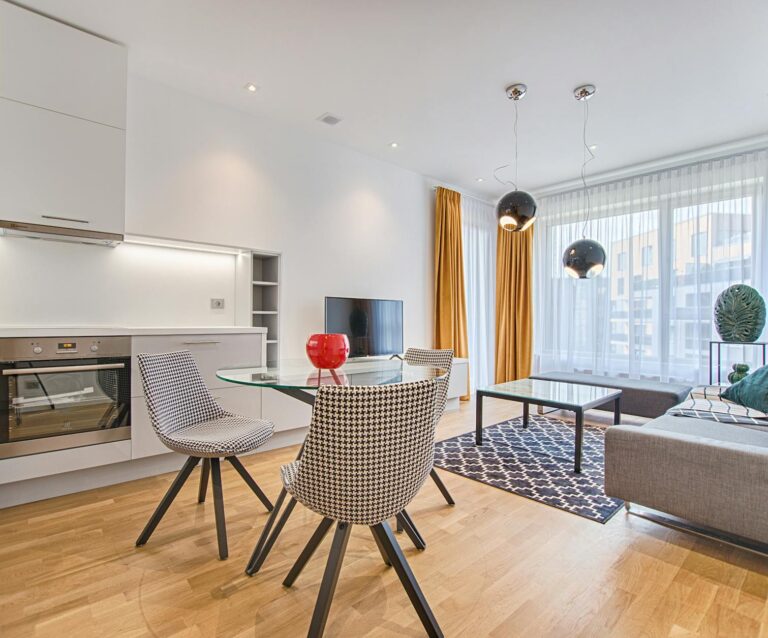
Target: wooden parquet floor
column 496, row 565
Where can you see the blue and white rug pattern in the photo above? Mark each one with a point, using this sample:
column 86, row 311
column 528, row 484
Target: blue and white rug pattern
column 536, row 463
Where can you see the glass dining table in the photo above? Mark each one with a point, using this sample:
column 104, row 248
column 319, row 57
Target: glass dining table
column 300, row 380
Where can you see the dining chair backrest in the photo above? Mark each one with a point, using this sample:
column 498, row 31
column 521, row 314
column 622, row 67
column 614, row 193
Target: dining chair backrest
column 442, row 359
column 368, row 451
column 176, row 394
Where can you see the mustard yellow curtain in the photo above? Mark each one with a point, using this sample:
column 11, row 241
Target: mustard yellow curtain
column 514, row 312
column 450, row 302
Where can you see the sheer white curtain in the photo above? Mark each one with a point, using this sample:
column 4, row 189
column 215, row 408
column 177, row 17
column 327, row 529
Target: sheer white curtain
column 674, row 239
column 478, row 225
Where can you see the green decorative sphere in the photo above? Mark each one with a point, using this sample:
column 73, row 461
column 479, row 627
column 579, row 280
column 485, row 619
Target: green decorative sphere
column 740, row 371
column 740, row 314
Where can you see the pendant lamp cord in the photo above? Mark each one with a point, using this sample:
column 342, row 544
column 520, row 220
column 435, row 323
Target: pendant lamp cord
column 586, row 150
column 496, row 170
column 515, row 129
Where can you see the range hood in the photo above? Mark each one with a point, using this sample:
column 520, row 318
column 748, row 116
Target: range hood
column 59, row 233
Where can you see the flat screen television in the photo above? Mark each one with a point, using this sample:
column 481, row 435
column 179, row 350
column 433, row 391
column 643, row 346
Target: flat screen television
column 374, row 326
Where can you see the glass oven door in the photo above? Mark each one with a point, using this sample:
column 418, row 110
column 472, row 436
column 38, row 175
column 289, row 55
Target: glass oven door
column 58, row 404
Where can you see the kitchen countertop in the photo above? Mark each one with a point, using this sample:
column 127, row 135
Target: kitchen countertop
column 116, row 331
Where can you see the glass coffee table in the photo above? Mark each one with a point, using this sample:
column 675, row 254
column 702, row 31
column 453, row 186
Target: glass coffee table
column 550, row 394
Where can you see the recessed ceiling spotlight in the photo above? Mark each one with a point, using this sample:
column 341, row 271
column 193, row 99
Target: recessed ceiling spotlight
column 252, row 88
column 593, row 147
column 479, row 179
column 393, row 144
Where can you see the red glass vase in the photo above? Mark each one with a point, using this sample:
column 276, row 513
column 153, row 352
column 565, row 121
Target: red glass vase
column 328, row 351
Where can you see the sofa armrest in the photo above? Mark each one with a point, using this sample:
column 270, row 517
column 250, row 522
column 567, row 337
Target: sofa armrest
column 718, row 484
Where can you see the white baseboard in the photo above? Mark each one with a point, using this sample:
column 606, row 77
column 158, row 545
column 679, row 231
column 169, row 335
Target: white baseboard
column 37, row 489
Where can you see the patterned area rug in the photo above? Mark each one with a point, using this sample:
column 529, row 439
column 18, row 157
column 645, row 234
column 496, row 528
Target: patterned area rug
column 536, row 462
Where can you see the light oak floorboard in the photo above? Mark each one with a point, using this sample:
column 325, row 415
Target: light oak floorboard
column 496, row 565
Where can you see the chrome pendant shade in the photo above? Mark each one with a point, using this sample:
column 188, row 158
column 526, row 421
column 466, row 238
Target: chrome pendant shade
column 516, row 211
column 584, row 259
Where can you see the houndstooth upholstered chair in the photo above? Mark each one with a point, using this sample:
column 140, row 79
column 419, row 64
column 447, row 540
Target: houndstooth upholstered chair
column 188, row 420
column 436, row 359
column 368, row 452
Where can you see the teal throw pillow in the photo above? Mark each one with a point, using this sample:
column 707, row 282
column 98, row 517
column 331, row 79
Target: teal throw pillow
column 751, row 391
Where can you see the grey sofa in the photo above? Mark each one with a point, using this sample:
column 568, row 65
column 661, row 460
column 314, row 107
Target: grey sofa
column 710, row 473
column 638, row 396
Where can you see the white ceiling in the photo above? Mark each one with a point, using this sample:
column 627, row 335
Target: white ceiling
column 672, row 75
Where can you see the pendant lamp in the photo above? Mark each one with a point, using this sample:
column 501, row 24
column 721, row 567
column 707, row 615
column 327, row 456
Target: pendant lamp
column 584, row 258
column 516, row 210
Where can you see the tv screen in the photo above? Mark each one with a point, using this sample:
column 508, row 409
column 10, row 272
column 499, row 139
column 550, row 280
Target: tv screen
column 373, row 326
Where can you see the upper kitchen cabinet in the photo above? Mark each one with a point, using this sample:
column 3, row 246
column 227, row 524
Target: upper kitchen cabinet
column 48, row 64
column 57, row 170
column 62, row 126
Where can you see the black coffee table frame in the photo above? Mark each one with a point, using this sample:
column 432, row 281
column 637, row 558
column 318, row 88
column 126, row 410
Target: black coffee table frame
column 549, row 403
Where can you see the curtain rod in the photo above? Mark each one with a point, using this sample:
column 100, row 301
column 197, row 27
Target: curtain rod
column 465, row 194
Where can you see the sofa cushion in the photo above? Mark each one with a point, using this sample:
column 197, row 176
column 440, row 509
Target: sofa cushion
column 751, row 391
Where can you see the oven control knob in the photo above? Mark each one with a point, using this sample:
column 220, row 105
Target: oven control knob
column 37, row 350
column 94, row 348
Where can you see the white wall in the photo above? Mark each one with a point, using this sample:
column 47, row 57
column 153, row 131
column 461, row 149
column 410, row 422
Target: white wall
column 345, row 223
column 56, row 283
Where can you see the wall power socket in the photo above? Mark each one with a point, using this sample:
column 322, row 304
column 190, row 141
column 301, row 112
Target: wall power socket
column 217, row 304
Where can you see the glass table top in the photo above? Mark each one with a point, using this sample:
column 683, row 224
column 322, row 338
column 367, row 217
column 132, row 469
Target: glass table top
column 300, row 374
column 556, row 391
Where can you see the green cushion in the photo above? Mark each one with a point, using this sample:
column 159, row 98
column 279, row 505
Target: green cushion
column 751, row 391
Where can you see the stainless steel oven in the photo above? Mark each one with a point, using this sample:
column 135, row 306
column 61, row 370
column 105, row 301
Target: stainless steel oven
column 60, row 392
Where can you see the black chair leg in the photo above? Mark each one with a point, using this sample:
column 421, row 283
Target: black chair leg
column 441, row 486
column 330, row 578
column 265, row 532
column 307, row 552
column 410, row 529
column 204, row 471
column 250, row 482
column 218, row 508
column 260, row 553
column 387, row 540
column 162, row 508
column 382, row 551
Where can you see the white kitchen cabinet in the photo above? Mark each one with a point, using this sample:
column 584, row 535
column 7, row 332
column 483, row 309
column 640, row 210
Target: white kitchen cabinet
column 58, row 170
column 285, row 412
column 239, row 399
column 211, row 352
column 54, row 66
column 144, row 441
column 22, row 468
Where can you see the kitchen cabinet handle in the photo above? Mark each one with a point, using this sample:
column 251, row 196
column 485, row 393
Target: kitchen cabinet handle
column 198, row 343
column 66, row 219
column 18, row 372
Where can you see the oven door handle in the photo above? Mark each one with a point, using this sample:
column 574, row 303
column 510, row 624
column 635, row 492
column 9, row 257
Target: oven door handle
column 88, row 368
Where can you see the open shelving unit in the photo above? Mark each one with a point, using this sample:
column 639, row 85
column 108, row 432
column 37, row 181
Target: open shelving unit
column 265, row 300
